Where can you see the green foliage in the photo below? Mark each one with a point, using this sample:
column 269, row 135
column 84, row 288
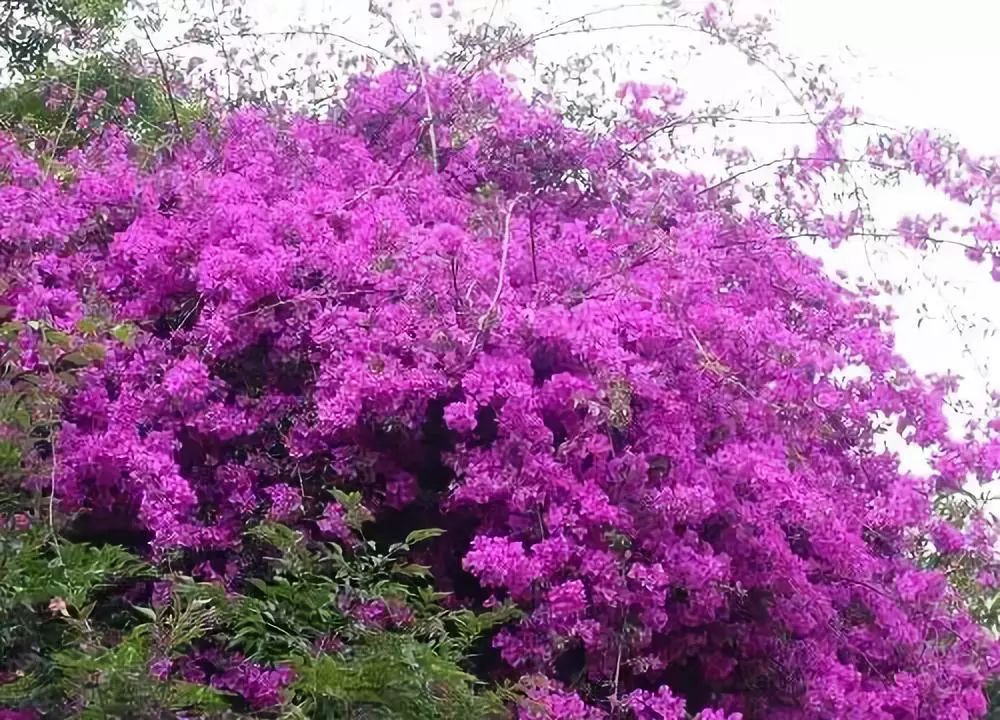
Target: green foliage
column 963, row 569
column 35, row 570
column 80, row 648
column 390, row 676
column 30, row 398
column 69, row 645
column 410, row 671
column 54, row 609
column 305, row 598
column 32, row 29
column 26, row 105
column 123, row 686
column 68, row 78
column 961, row 508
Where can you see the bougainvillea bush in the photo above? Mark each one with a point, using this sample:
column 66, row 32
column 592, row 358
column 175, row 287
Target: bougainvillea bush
column 467, row 414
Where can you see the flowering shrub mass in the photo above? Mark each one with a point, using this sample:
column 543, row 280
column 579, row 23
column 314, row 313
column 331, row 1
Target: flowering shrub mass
column 638, row 413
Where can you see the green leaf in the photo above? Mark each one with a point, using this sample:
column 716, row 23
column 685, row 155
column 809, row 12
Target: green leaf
column 88, row 326
column 419, row 536
column 59, row 338
column 124, row 333
column 414, row 570
column 145, row 612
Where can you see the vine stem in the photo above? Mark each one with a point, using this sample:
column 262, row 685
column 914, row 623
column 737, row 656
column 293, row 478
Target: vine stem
column 166, row 80
column 484, row 319
column 411, row 53
column 65, row 122
column 52, row 499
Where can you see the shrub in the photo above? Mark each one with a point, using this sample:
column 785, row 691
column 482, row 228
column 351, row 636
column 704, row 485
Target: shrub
column 640, row 416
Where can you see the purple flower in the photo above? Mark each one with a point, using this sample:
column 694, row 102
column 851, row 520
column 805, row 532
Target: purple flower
column 187, row 384
column 286, row 502
column 333, row 523
column 948, row 540
column 160, row 668
column 661, row 705
column 261, row 688
column 14, row 714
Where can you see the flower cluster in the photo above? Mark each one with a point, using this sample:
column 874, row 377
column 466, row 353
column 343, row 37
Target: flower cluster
column 642, row 415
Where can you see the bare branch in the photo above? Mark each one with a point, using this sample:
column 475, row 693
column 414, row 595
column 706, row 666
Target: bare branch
column 166, row 79
column 487, row 317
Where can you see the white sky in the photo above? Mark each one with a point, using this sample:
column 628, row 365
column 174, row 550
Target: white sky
column 906, row 63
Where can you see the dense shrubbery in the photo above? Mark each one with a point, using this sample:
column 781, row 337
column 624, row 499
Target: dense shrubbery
column 244, row 380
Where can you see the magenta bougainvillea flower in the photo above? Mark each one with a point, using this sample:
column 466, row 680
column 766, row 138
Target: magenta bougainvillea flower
column 639, row 413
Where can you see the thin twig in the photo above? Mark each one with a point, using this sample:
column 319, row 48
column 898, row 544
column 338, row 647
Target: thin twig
column 166, row 80
column 888, row 236
column 665, row 127
column 531, row 236
column 428, row 105
column 504, row 252
column 717, row 118
column 225, row 53
column 316, row 33
column 52, row 499
column 791, row 159
column 430, row 115
column 618, row 666
column 65, row 122
column 755, row 168
column 550, row 31
column 484, row 319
